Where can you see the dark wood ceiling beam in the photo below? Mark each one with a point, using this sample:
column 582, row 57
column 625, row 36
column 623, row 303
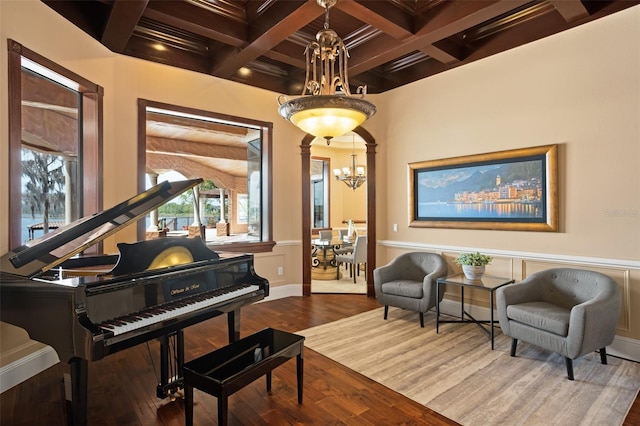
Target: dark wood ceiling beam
column 269, row 82
column 274, row 32
column 197, row 21
column 454, row 17
column 285, row 55
column 526, row 32
column 373, row 80
column 449, row 19
column 381, row 15
column 160, row 145
column 419, row 71
column 445, row 51
column 570, row 10
column 122, row 20
column 143, row 48
column 88, row 16
column 399, row 25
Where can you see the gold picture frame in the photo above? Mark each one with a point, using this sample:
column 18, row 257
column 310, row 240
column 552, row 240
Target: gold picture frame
column 514, row 190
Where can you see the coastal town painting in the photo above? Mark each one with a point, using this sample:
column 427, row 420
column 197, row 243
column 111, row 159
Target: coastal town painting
column 507, row 190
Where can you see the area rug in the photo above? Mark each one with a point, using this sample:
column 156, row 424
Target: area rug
column 456, row 373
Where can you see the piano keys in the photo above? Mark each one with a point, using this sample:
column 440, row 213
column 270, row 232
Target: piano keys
column 88, row 307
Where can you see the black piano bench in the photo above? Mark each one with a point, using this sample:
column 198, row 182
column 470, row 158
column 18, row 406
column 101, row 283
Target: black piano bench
column 225, row 371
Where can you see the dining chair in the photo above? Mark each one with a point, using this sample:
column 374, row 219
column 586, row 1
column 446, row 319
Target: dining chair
column 355, row 258
column 325, row 235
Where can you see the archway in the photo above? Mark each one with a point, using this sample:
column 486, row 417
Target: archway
column 305, row 152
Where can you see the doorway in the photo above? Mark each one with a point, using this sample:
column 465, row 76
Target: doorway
column 370, row 225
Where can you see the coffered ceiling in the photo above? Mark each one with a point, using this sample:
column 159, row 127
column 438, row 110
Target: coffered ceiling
column 261, row 43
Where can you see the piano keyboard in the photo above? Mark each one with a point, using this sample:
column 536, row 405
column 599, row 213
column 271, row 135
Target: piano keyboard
column 171, row 310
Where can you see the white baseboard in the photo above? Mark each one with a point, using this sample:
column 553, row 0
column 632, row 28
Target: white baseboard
column 283, row 291
column 622, row 347
column 27, row 367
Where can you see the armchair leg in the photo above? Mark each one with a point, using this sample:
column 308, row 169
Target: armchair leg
column 386, row 311
column 514, row 344
column 603, row 355
column 421, row 319
column 569, row 367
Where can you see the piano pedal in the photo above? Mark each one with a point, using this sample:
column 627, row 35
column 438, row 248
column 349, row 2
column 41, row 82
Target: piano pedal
column 179, row 394
column 173, row 390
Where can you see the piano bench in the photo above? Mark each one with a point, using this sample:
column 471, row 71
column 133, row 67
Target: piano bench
column 225, row 371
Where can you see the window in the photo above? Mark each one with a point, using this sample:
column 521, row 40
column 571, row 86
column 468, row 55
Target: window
column 233, row 157
column 319, row 193
column 54, row 146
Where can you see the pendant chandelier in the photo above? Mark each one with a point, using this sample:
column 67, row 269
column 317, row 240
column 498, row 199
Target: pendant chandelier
column 353, row 176
column 326, row 107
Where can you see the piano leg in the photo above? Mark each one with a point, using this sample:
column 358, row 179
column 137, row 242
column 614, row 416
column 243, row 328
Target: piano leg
column 233, row 325
column 77, row 397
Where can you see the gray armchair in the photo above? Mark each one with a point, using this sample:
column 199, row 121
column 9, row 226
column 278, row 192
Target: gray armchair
column 568, row 311
column 409, row 282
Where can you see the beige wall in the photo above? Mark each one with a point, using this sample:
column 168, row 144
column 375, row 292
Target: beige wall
column 579, row 89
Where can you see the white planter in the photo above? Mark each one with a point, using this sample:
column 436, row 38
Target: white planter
column 473, row 272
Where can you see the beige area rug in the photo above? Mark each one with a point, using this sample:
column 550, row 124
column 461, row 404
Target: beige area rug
column 457, row 374
column 344, row 285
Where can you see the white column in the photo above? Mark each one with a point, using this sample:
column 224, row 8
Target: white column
column 222, row 212
column 70, row 171
column 201, row 208
column 196, row 206
column 153, row 214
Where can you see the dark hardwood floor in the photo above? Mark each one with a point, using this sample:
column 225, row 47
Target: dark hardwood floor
column 122, row 386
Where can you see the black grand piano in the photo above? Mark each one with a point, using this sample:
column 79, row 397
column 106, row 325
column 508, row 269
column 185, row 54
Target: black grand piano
column 87, row 307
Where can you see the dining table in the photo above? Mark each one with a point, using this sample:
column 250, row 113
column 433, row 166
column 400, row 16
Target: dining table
column 323, row 252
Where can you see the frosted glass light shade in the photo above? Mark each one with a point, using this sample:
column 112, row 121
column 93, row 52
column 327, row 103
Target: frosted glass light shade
column 328, row 122
column 327, row 116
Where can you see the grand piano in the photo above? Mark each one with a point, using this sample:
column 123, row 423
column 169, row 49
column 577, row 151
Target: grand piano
column 87, row 307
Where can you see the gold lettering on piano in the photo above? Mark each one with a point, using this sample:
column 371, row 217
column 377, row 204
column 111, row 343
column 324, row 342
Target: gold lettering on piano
column 186, row 289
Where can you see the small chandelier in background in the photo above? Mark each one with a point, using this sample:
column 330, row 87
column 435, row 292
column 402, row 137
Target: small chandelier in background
column 326, row 107
column 353, row 176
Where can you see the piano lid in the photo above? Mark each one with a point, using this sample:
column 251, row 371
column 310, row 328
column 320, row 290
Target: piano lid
column 50, row 250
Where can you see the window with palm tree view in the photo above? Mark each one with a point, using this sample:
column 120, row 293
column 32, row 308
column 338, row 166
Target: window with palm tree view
column 231, row 207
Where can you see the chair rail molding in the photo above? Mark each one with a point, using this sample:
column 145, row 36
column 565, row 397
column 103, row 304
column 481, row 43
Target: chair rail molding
column 548, row 257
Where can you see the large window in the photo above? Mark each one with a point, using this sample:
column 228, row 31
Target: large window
column 54, row 146
column 232, row 208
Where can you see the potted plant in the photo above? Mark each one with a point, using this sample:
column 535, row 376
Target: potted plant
column 473, row 264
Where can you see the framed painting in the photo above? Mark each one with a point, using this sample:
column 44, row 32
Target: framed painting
column 514, row 190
